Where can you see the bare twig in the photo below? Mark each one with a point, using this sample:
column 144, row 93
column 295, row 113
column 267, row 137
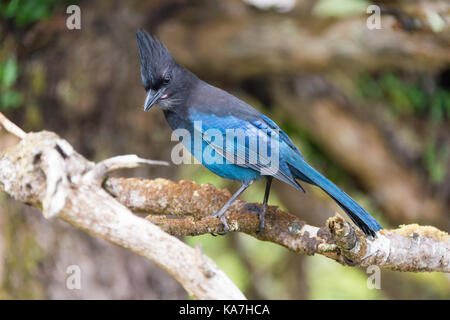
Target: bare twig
column 11, row 127
column 101, row 169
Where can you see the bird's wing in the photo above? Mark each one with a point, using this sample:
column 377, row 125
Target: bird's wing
column 245, row 151
column 212, row 100
column 283, row 135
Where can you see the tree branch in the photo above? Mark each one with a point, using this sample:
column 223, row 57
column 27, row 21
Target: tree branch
column 178, row 208
column 44, row 171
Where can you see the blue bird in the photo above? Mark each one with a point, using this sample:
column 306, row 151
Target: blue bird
column 195, row 106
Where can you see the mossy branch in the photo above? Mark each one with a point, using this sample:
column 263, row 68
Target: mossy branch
column 180, row 209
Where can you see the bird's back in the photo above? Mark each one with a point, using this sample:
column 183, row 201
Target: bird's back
column 210, row 99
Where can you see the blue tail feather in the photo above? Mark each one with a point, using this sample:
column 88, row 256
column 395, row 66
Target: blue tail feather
column 357, row 214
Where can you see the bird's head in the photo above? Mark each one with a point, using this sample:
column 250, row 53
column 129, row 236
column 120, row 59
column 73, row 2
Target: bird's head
column 161, row 76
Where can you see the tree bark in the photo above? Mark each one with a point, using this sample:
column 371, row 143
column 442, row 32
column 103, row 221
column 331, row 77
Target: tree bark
column 44, row 171
column 408, row 248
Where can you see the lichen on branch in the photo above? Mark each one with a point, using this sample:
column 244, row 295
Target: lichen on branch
column 180, row 209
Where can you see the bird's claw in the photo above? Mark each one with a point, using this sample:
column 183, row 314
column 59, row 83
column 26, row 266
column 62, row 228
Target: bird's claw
column 215, row 234
column 261, row 212
column 261, row 219
column 226, row 227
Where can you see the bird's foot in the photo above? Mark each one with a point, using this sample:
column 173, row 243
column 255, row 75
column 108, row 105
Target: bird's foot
column 262, row 218
column 261, row 212
column 223, row 219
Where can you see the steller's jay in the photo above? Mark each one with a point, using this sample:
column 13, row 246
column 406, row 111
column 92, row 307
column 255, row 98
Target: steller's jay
column 187, row 100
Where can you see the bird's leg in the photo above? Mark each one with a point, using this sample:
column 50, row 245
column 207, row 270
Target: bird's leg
column 221, row 214
column 262, row 212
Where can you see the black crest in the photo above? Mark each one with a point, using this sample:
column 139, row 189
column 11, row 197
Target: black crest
column 155, row 59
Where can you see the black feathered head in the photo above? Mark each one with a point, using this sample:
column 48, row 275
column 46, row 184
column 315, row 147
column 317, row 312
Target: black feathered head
column 165, row 81
column 155, row 59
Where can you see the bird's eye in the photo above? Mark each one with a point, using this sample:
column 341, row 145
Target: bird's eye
column 147, row 85
column 167, row 78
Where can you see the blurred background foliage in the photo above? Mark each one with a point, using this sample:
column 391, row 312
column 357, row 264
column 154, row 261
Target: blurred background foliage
column 23, row 13
column 10, row 98
column 368, row 108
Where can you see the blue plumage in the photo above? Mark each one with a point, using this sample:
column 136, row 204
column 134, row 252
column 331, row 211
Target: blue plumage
column 191, row 104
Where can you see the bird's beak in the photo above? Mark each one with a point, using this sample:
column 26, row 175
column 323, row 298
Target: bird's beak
column 152, row 98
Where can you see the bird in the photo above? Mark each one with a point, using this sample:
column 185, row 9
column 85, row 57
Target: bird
column 193, row 105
